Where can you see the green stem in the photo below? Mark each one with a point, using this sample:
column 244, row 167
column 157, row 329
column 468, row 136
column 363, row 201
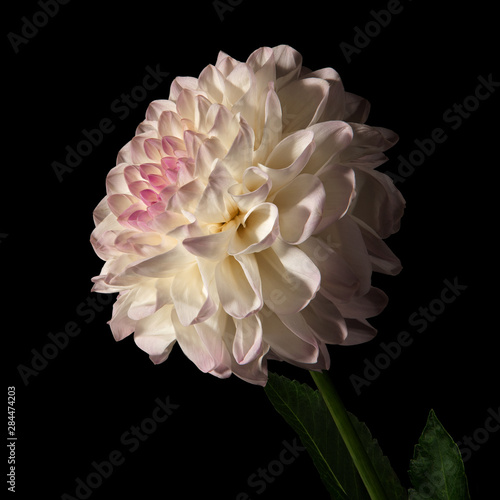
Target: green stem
column 349, row 435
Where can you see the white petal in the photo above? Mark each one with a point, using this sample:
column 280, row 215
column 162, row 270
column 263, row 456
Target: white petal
column 180, row 83
column 238, row 82
column 209, row 152
column 303, row 101
column 247, row 344
column 289, row 278
column 211, row 246
column 223, row 124
column 238, row 286
column 156, row 108
column 192, row 345
column 144, row 303
column 212, row 81
column 155, row 334
column 338, row 281
column 271, row 131
column 216, row 204
column 366, row 141
column 369, row 305
column 288, row 64
column 164, row 265
column 170, row 124
column 345, row 237
column 325, row 320
column 339, row 183
column 121, row 325
column 115, row 180
column 379, row 204
column 240, row 154
column 359, row 332
column 225, row 63
column 190, row 296
column 193, row 107
column 252, row 191
column 335, row 105
column 300, row 206
column 357, row 108
column 258, row 230
column 285, row 343
column 288, row 158
column 212, row 332
column 381, row 256
column 330, row 138
column 263, row 65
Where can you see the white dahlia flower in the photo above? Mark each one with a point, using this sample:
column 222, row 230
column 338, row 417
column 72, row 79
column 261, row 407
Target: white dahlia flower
column 245, row 218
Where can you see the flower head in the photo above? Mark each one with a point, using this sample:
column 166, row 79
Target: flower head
column 245, row 218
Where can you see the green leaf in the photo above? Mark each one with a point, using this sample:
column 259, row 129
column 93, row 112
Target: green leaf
column 305, row 411
column 437, row 470
column 385, row 472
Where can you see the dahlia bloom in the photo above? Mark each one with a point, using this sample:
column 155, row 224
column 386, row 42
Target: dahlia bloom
column 245, row 218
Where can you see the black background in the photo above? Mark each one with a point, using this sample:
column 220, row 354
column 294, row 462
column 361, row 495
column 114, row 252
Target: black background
column 76, row 410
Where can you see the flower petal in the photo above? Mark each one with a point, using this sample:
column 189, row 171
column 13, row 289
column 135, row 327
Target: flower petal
column 192, row 303
column 358, row 332
column 290, row 279
column 288, row 64
column 325, row 320
column 330, row 138
column 216, row 205
column 121, row 325
column 252, row 191
column 155, row 334
column 211, row 246
column 357, row 108
column 258, row 230
column 164, row 265
column 378, row 203
column 367, row 140
column 303, row 112
column 300, row 206
column 345, row 237
column 284, row 342
column 192, row 345
column 340, row 184
column 238, row 285
column 212, row 81
column 289, row 158
column 212, row 333
column 271, row 131
column 369, row 305
column 382, row 258
column 338, row 282
column 247, row 344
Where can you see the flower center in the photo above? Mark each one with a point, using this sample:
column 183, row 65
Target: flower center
column 232, row 223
